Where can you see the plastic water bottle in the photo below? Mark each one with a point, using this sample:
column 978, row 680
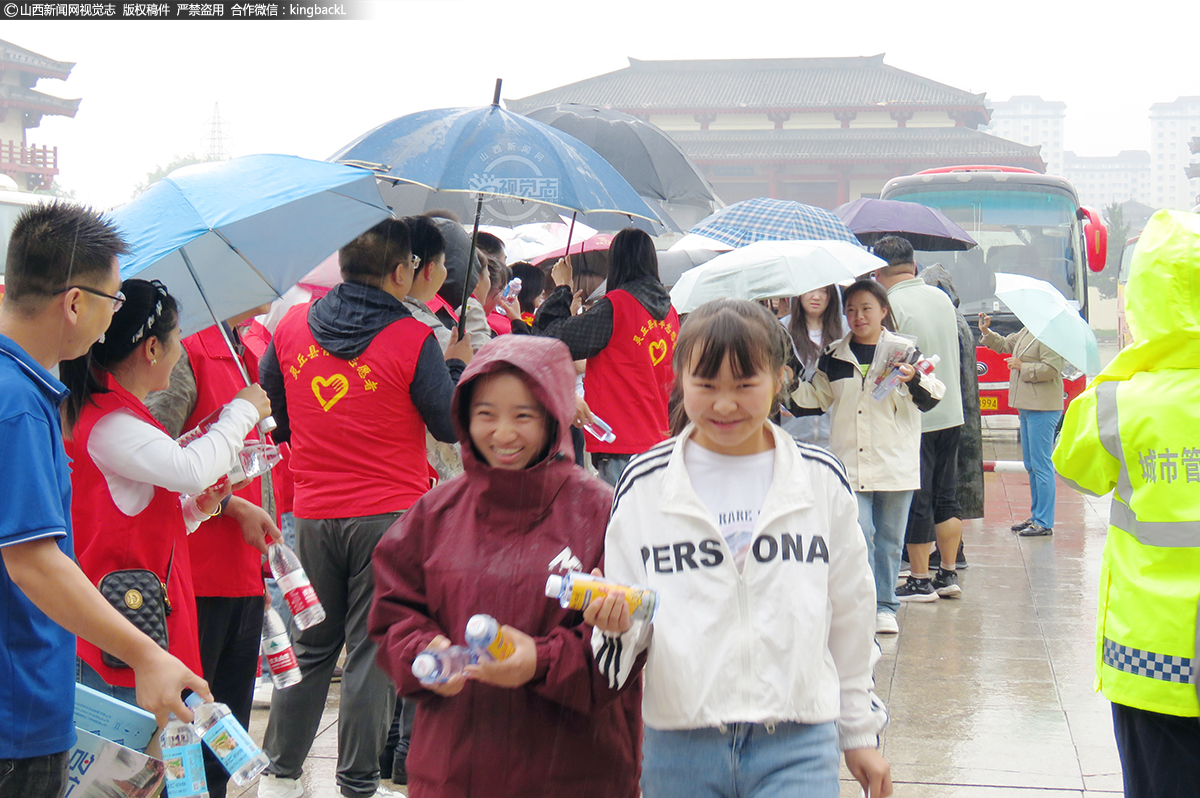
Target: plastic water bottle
column 600, row 429
column 293, row 582
column 438, row 667
column 228, row 741
column 575, row 590
column 512, row 289
column 183, row 760
column 277, row 651
column 254, row 460
column 485, row 638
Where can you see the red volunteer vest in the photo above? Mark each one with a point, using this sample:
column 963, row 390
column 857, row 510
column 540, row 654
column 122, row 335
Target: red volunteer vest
column 221, row 561
column 629, row 382
column 358, row 442
column 107, row 540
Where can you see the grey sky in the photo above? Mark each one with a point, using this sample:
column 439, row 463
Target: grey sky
column 307, row 88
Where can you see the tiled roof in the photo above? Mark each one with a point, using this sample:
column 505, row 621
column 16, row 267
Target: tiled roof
column 785, row 84
column 14, row 97
column 30, row 62
column 942, row 144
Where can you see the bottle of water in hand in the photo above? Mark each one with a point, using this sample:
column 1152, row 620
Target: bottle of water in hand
column 183, row 760
column 277, row 651
column 228, row 740
column 297, row 590
column 438, row 667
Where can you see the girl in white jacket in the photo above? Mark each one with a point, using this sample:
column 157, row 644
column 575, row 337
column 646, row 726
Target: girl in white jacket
column 879, row 440
column 760, row 663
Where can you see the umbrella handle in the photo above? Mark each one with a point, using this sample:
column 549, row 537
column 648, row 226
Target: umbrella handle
column 462, row 313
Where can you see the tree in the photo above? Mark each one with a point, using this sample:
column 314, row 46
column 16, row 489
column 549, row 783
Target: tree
column 1118, row 231
column 162, row 171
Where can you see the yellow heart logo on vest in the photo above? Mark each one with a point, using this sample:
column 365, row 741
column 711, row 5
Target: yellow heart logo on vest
column 658, row 351
column 339, row 384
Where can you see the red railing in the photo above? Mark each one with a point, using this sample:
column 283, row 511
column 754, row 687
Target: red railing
column 15, row 156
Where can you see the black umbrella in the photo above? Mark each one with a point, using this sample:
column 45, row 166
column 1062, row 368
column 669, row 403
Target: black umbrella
column 647, row 157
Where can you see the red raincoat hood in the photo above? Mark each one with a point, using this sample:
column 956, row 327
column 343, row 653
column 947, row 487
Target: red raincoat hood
column 545, row 365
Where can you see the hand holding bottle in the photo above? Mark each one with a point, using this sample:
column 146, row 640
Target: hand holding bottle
column 255, row 395
column 454, row 685
column 608, row 613
column 512, row 671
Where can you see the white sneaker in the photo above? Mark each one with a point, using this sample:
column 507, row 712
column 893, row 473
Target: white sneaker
column 386, row 792
column 262, row 693
column 885, row 623
column 279, row 787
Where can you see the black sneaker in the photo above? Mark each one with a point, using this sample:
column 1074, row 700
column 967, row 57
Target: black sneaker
column 945, row 584
column 1036, row 531
column 935, row 560
column 917, row 590
column 1022, row 525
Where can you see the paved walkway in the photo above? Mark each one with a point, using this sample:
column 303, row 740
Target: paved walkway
column 990, row 695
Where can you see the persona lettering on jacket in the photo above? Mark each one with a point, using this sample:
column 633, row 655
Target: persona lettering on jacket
column 686, row 555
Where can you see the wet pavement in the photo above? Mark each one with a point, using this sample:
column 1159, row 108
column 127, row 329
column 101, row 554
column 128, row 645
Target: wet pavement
column 990, row 695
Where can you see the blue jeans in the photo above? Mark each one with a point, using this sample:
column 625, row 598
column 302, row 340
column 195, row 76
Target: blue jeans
column 287, row 525
column 86, row 675
column 883, row 516
column 35, row 777
column 611, row 466
column 742, row 760
column 1037, row 444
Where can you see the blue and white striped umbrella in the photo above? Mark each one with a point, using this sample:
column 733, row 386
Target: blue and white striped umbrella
column 764, row 219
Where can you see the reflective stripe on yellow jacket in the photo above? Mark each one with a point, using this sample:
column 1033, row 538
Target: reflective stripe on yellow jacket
column 1140, row 437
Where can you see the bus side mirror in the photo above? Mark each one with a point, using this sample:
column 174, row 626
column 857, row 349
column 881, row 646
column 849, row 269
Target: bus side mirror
column 1095, row 237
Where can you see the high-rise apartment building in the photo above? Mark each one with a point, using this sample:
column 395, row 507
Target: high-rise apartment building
column 1111, row 178
column 1028, row 119
column 1172, row 128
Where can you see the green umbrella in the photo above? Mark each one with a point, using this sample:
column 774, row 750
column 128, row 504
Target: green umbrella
column 1051, row 319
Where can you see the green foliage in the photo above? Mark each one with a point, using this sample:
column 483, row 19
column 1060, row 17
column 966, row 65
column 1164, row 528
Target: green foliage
column 1118, row 231
column 162, row 171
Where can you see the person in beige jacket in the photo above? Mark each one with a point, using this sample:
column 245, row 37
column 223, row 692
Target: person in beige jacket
column 879, row 441
column 1035, row 389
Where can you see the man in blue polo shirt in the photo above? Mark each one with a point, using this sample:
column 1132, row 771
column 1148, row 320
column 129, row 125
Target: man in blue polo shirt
column 61, row 290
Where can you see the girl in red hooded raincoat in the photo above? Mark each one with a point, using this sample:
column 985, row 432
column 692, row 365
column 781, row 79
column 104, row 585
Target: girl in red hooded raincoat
column 543, row 721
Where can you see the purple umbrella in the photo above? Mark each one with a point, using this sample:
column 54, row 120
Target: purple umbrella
column 927, row 229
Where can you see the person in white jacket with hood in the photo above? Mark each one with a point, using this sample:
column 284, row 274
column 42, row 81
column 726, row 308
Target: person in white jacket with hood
column 760, row 659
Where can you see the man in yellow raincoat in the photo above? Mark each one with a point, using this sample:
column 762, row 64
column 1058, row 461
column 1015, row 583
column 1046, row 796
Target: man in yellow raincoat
column 1136, row 431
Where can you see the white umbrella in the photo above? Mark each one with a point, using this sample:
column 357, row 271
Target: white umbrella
column 772, row 269
column 1050, row 318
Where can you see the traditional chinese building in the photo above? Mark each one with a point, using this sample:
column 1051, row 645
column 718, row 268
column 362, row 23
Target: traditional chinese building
column 819, row 130
column 31, row 166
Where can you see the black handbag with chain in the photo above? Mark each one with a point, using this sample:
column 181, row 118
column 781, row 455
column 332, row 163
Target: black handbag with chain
column 141, row 597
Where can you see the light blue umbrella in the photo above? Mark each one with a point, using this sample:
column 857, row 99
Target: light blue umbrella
column 765, row 219
column 226, row 237
column 507, row 161
column 510, row 161
column 1051, row 319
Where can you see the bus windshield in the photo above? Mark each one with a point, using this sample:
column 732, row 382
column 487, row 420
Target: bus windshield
column 1019, row 231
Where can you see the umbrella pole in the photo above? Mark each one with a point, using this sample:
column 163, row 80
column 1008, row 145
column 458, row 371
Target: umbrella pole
column 268, row 423
column 570, row 234
column 462, row 313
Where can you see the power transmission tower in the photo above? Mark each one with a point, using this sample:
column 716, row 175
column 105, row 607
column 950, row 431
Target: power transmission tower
column 216, row 140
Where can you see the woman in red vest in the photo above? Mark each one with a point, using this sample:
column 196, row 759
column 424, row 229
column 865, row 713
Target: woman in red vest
column 628, row 340
column 128, row 473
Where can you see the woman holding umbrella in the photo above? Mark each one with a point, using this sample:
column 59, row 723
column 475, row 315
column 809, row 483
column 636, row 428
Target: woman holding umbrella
column 129, row 473
column 628, row 339
column 1035, row 389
